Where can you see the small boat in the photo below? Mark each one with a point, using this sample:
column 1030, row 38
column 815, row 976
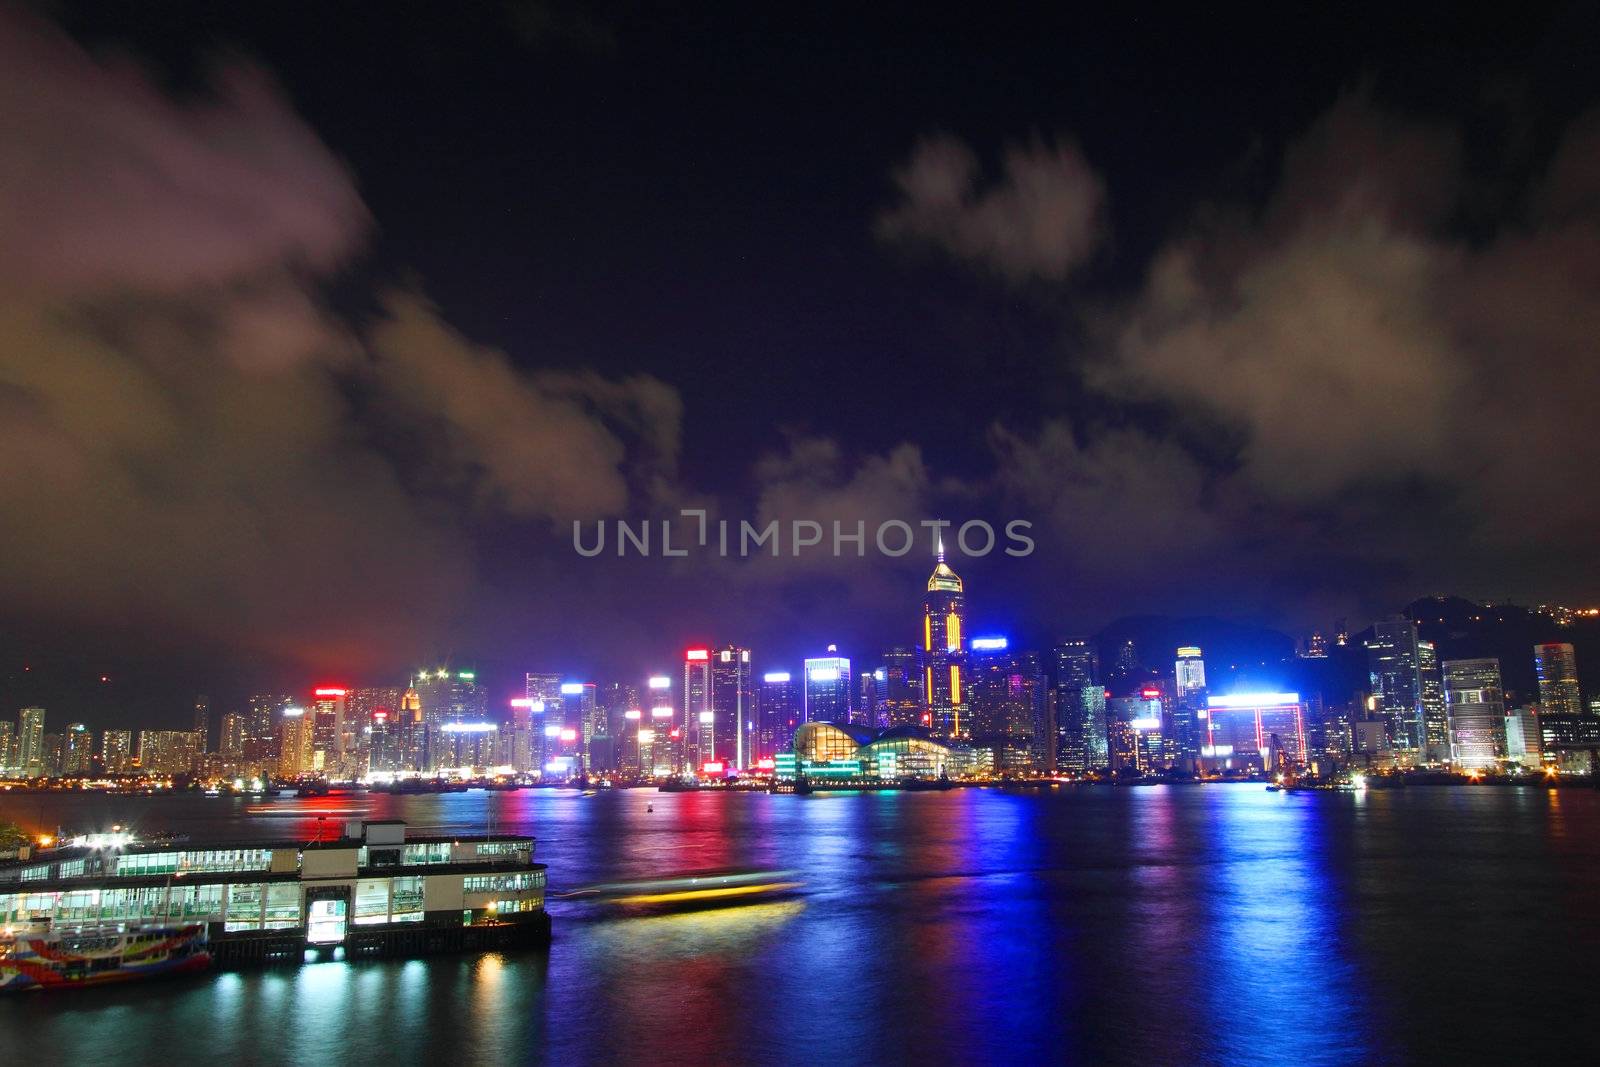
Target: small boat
column 71, row 959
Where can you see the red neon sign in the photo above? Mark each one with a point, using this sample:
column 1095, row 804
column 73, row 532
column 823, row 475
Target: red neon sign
column 1150, row 694
column 330, row 692
column 697, row 653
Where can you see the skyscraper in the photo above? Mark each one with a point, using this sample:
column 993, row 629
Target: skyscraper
column 827, row 688
column 30, row 742
column 1008, row 703
column 778, row 704
column 202, row 721
column 944, row 658
column 697, row 717
column 1392, row 665
column 1556, row 667
column 658, row 748
column 1476, row 712
column 327, row 712
column 1080, row 705
column 901, row 690
column 77, row 750
column 448, row 697
column 868, row 705
column 261, row 737
column 1188, row 719
column 1435, row 719
column 231, row 743
column 294, row 743
column 542, row 692
column 116, row 751
column 733, row 703
column 168, row 751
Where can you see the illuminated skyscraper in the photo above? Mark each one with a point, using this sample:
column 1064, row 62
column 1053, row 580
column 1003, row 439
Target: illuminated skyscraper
column 413, row 742
column 695, row 725
column 542, row 693
column 372, row 729
column 658, row 749
column 1392, row 664
column 116, row 751
column 1188, row 724
column 779, row 713
column 202, row 721
column 733, row 703
column 1557, row 669
column 231, row 742
column 582, row 721
column 1008, row 704
column 7, row 743
column 1190, row 672
column 901, row 690
column 328, row 713
column 261, row 736
column 448, row 696
column 1477, row 712
column 1136, row 736
column 294, row 744
column 77, row 750
column 827, row 688
column 944, row 658
column 168, row 751
column 30, row 742
column 868, row 704
column 1080, row 705
column 1435, row 718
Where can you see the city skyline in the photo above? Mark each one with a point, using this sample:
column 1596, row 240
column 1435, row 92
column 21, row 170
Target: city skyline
column 964, row 701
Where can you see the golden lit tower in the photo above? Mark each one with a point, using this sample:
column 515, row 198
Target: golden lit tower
column 944, row 658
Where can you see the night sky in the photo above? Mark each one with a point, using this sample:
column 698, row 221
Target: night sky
column 320, row 324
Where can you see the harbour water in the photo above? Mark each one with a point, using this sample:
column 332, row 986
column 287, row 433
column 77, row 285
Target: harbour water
column 1165, row 924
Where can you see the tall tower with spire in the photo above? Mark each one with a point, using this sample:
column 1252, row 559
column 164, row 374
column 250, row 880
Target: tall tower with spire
column 944, row 657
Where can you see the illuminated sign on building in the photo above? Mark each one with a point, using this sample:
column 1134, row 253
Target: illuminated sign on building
column 776, row 676
column 989, row 644
column 658, row 682
column 1253, row 700
column 571, row 688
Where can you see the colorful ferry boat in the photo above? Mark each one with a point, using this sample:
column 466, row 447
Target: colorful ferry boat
column 375, row 890
column 44, row 959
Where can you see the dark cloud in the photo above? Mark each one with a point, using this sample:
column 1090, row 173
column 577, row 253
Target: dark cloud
column 190, row 442
column 1351, row 389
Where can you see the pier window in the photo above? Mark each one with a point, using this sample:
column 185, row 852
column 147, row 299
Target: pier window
column 372, row 901
column 244, row 906
column 427, row 852
column 499, row 883
column 407, row 906
column 283, row 905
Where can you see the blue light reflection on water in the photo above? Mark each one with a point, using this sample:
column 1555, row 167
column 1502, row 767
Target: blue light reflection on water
column 1144, row 925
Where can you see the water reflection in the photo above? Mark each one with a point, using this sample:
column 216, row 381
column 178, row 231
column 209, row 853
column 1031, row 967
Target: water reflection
column 1149, row 925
